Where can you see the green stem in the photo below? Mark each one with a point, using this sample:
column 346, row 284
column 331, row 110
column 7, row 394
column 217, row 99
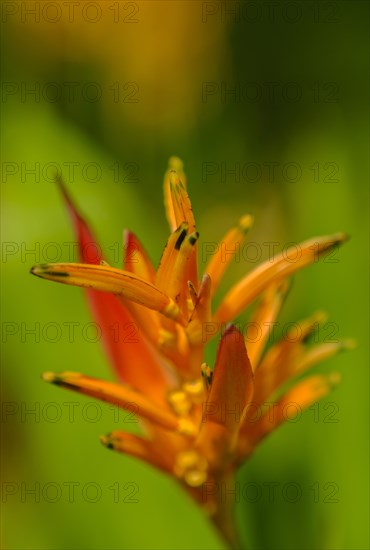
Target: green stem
column 224, row 517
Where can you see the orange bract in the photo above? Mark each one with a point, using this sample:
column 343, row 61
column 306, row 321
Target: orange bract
column 194, row 416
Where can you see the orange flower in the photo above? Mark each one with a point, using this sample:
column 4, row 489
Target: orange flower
column 196, row 421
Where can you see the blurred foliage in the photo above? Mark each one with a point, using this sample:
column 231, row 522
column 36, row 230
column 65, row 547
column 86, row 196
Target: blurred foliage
column 169, row 55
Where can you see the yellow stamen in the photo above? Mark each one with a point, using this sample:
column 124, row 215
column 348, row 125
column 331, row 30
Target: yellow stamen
column 174, row 164
column 207, row 375
column 178, row 284
column 195, row 391
column 228, row 245
column 169, row 256
column 191, row 466
column 136, row 260
column 302, row 395
column 181, row 202
column 265, row 314
column 115, row 281
column 138, row 447
column 244, row 292
column 193, row 293
column 121, row 396
column 201, row 314
column 195, row 478
column 180, row 402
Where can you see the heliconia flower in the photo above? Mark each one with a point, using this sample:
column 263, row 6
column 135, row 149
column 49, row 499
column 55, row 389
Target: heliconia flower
column 196, row 419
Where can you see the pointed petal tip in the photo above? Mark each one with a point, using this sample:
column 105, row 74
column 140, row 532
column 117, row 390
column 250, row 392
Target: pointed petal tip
column 206, row 283
column 340, row 238
column 193, row 237
column 67, row 197
column 320, row 316
column 62, row 188
column 349, row 344
column 103, row 439
column 175, row 163
column 48, row 271
column 246, row 222
column 334, row 379
column 333, row 239
column 206, row 277
column 231, row 330
column 232, row 342
column 128, row 236
column 39, row 269
column 49, row 377
column 59, row 377
column 106, row 441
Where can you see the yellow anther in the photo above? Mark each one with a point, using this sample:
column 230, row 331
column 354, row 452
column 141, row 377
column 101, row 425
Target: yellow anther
column 334, row 378
column 195, row 390
column 165, row 338
column 246, row 222
column 175, row 163
column 190, row 305
column 193, row 293
column 207, row 374
column 186, row 427
column 205, row 370
column 192, row 467
column 187, row 459
column 172, row 311
column 195, row 478
column 179, row 402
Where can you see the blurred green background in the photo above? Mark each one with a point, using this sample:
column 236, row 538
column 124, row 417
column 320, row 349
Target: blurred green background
column 118, row 88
